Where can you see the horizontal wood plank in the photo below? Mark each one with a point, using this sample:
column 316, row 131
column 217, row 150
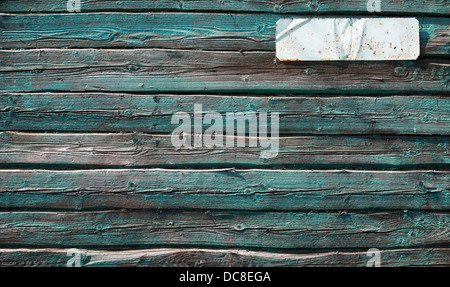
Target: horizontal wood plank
column 157, row 71
column 204, row 31
column 49, row 257
column 435, row 7
column 145, row 150
column 224, row 189
column 283, row 230
column 143, row 30
column 102, row 112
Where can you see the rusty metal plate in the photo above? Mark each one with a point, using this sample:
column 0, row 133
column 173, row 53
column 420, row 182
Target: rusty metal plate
column 347, row 39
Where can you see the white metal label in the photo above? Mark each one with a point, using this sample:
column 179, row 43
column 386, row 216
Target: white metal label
column 333, row 39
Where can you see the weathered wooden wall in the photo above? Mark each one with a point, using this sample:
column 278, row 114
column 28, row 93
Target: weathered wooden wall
column 86, row 160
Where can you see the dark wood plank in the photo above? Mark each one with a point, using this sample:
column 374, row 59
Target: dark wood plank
column 224, row 189
column 221, row 258
column 131, row 30
column 157, row 71
column 88, row 112
column 435, row 7
column 284, row 230
column 204, row 31
column 434, row 35
column 140, row 150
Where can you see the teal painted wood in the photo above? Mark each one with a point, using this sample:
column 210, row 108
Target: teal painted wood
column 102, row 112
column 416, row 7
column 159, row 71
column 144, row 150
column 201, row 257
column 185, row 61
column 131, row 30
column 283, row 230
column 204, row 31
column 437, row 30
column 225, row 189
column 151, row 53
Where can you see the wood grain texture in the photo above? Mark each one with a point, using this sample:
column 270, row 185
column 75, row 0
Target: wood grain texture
column 158, row 71
column 86, row 101
column 283, row 230
column 326, row 115
column 131, row 30
column 49, row 257
column 417, row 7
column 145, row 150
column 224, row 189
column 203, row 31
